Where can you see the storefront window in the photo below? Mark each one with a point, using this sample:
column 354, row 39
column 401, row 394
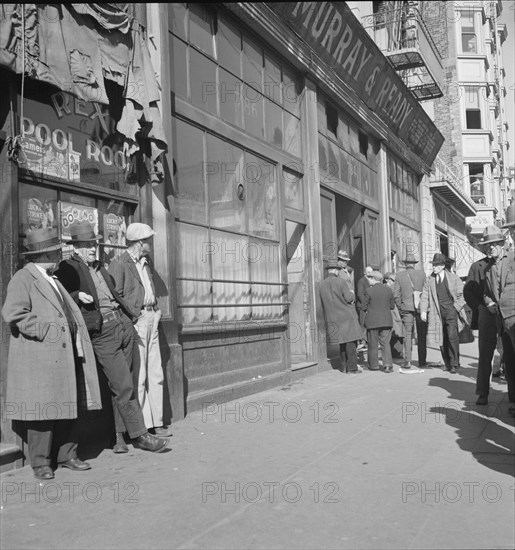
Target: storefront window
column 403, row 189
column 42, row 206
column 263, row 96
column 236, row 268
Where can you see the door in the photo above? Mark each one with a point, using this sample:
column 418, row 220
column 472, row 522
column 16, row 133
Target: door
column 298, row 292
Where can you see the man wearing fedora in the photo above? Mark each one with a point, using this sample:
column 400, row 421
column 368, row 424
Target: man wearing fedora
column 408, row 285
column 504, row 295
column 51, row 368
column 134, row 282
column 345, row 272
column 109, row 322
column 441, row 306
column 342, row 326
column 481, row 298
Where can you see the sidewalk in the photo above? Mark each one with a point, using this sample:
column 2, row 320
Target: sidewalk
column 333, row 461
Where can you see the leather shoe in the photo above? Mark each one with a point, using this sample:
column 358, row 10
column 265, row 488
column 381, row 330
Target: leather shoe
column 359, row 370
column 149, row 442
column 120, row 445
column 453, row 370
column 43, row 472
column 482, row 400
column 75, row 464
column 407, row 365
column 164, row 431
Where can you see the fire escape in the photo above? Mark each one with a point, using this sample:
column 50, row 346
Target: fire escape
column 399, row 31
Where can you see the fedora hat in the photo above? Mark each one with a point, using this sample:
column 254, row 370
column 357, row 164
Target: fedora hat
column 439, row 259
column 40, row 240
column 333, row 264
column 410, row 258
column 510, row 216
column 82, row 232
column 343, row 255
column 491, row 234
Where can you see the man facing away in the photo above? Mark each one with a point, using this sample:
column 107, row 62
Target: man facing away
column 134, row 282
column 108, row 320
column 482, row 300
column 378, row 304
column 407, row 283
column 342, row 326
column 441, row 305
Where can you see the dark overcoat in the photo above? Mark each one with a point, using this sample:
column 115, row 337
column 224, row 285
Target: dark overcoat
column 378, row 303
column 341, row 320
column 41, row 372
column 475, row 289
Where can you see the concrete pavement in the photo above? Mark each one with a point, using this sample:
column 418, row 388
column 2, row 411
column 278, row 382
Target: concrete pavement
column 333, row 461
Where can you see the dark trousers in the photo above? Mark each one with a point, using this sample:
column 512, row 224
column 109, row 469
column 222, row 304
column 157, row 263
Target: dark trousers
column 113, row 347
column 488, row 332
column 349, row 357
column 451, row 340
column 409, row 319
column 508, row 343
column 379, row 337
column 49, row 439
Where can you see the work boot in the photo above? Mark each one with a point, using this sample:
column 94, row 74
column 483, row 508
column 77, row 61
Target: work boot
column 120, row 445
column 149, row 442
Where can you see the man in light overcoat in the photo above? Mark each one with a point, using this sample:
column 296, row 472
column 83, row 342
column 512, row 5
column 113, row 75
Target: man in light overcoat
column 342, row 325
column 51, row 369
column 441, row 305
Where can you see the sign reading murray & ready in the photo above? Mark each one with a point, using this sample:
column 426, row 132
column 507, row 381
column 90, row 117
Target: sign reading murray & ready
column 333, row 31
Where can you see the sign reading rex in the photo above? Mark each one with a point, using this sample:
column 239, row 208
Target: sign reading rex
column 335, row 34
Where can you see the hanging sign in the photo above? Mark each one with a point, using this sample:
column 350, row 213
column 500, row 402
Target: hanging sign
column 71, row 139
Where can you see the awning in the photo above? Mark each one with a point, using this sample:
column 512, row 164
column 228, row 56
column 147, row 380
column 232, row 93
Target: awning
column 450, row 194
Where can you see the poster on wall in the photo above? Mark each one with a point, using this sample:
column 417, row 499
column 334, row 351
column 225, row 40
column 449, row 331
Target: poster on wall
column 115, row 227
column 38, row 213
column 71, row 213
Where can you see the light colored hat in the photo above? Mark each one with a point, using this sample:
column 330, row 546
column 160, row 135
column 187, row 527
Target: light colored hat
column 41, row 240
column 343, row 255
column 139, row 231
column 491, row 234
column 510, row 216
column 377, row 275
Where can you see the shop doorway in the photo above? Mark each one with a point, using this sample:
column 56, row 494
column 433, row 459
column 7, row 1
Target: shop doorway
column 299, row 325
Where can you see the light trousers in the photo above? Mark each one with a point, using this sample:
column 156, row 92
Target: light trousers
column 148, row 369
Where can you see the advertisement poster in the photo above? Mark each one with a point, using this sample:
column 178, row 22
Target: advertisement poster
column 38, row 213
column 114, row 229
column 71, row 213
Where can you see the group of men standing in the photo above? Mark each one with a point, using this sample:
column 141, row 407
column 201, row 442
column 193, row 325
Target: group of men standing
column 434, row 304
column 67, row 320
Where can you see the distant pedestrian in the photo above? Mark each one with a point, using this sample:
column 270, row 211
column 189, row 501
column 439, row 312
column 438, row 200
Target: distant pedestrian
column 378, row 304
column 361, row 287
column 345, row 272
column 407, row 290
column 51, row 368
column 341, row 320
column 134, row 282
column 482, row 299
column 442, row 306
column 396, row 341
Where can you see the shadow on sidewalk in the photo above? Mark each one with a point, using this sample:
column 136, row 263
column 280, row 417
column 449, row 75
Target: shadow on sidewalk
column 493, row 448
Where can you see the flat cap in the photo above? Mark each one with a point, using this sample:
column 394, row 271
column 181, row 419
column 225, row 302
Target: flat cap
column 138, row 231
column 377, row 275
